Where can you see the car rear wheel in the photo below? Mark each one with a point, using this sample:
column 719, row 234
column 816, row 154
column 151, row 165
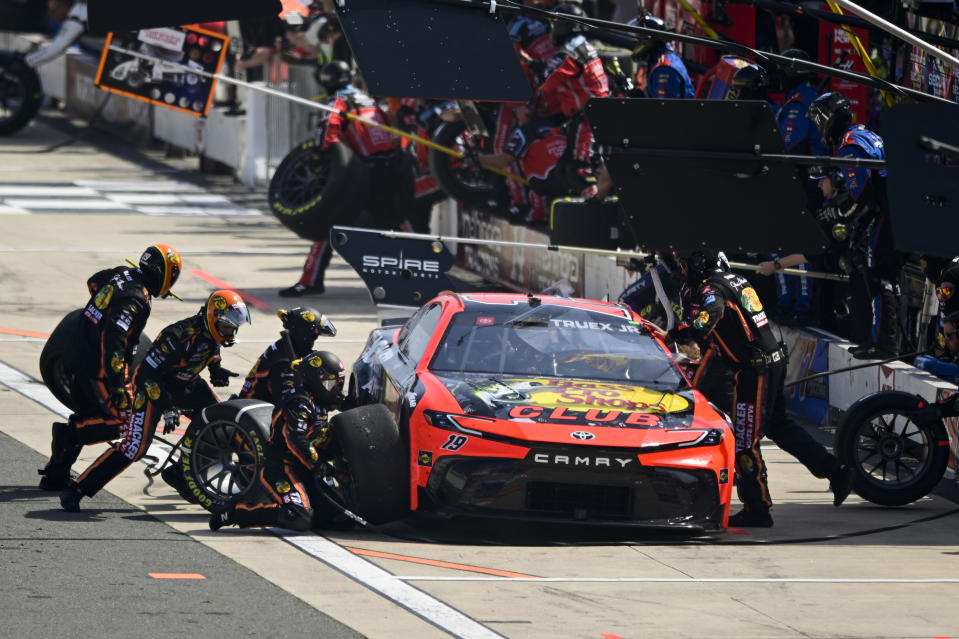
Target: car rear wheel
column 374, row 474
column 898, row 457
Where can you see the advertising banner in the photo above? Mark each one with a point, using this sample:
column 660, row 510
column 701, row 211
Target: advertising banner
column 837, row 50
column 155, row 80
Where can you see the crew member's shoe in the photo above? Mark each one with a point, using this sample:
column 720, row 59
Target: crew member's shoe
column 173, row 475
column 299, row 289
column 56, row 473
column 70, row 498
column 841, row 485
column 53, row 477
column 222, row 516
column 755, row 518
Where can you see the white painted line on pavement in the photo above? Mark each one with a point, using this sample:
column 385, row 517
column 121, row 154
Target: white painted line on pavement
column 684, row 580
column 65, row 204
column 166, row 198
column 46, row 191
column 12, row 210
column 375, row 578
column 186, row 211
column 154, row 187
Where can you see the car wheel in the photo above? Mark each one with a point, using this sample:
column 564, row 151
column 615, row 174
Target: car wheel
column 374, row 472
column 897, row 456
column 20, row 93
column 223, row 450
column 58, row 362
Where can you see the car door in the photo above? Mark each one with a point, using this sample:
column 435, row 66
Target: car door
column 412, row 342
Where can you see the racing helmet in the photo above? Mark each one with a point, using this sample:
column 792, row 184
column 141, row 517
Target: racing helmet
column 160, row 265
column 698, row 265
column 751, row 82
column 334, row 76
column 562, row 30
column 323, row 374
column 650, row 45
column 832, row 115
column 304, row 326
column 794, row 76
column 224, row 312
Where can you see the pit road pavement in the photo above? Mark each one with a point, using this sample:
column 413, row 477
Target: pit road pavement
column 139, row 561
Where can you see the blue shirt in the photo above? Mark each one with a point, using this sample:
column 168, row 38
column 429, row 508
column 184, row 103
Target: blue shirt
column 667, row 76
column 860, row 142
column 798, row 131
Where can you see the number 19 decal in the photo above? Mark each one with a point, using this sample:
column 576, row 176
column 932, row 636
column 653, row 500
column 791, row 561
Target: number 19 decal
column 455, row 442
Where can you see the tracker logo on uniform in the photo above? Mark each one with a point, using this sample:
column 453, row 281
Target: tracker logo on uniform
column 134, row 437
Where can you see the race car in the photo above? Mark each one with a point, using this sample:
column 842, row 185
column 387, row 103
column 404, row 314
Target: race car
column 538, row 408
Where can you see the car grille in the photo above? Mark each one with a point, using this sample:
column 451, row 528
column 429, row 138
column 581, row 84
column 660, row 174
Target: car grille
column 579, row 501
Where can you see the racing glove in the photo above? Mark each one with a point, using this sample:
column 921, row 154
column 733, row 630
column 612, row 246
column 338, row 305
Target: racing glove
column 220, row 376
column 171, row 421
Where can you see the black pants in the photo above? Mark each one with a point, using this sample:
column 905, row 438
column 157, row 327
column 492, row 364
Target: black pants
column 760, row 410
column 875, row 310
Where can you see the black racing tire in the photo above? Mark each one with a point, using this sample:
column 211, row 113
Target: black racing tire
column 897, row 456
column 20, row 93
column 473, row 188
column 58, row 359
column 375, row 463
column 223, row 449
column 312, row 190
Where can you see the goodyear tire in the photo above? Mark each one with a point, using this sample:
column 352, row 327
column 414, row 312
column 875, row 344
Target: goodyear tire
column 20, row 93
column 58, row 360
column 312, row 190
column 898, row 456
column 223, row 450
column 473, row 188
column 374, row 458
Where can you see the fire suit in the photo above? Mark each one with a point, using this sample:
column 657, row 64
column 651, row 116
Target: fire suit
column 110, row 328
column 265, row 379
column 286, row 496
column 727, row 309
column 666, row 75
column 167, row 378
column 872, row 262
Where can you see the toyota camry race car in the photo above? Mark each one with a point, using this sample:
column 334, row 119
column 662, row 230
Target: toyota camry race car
column 540, row 408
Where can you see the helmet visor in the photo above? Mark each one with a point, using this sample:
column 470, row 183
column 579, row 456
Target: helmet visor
column 229, row 323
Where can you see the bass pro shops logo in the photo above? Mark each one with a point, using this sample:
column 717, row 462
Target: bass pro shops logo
column 401, row 266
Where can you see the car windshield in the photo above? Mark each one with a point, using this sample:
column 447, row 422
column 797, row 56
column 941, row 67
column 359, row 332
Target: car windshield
column 553, row 341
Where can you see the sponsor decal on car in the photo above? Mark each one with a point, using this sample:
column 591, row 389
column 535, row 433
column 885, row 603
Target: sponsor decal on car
column 425, row 458
column 723, row 475
column 582, row 435
column 611, row 461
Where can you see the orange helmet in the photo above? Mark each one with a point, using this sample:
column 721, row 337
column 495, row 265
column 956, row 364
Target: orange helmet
column 225, row 311
column 161, row 265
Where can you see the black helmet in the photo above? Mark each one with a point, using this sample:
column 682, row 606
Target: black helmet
column 648, row 46
column 305, row 325
column 562, row 30
column 323, row 374
column 334, row 76
column 701, row 263
column 831, row 114
column 751, row 82
column 160, row 265
column 794, row 76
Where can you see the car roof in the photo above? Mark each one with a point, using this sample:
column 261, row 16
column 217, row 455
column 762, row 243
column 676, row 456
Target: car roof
column 475, row 301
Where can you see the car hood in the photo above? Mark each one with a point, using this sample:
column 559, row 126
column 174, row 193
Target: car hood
column 569, row 402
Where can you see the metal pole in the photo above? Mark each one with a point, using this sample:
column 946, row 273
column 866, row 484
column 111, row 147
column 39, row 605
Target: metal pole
column 853, row 368
column 315, row 105
column 899, row 33
column 563, row 248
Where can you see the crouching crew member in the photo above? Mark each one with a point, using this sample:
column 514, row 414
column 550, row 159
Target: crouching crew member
column 286, row 495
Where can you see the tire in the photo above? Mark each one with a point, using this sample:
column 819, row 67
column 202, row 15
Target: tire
column 58, row 361
column 312, row 190
column 473, row 188
column 376, row 476
column 897, row 457
column 223, row 449
column 20, row 93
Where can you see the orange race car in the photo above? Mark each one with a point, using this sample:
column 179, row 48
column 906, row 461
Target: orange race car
column 532, row 407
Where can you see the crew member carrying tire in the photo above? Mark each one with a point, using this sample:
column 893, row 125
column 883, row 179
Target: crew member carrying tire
column 108, row 332
column 168, row 378
column 299, row 436
column 724, row 307
column 391, row 169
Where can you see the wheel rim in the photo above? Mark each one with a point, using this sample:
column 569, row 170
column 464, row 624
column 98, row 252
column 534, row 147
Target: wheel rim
column 13, row 95
column 892, row 450
column 225, row 460
column 62, row 379
column 469, row 176
column 304, row 181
